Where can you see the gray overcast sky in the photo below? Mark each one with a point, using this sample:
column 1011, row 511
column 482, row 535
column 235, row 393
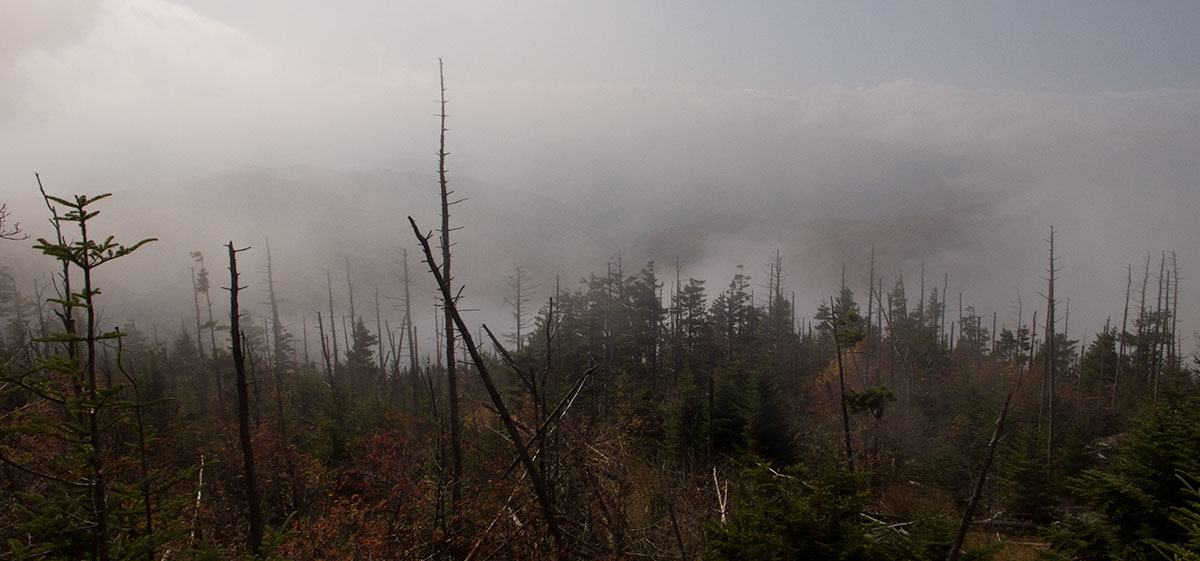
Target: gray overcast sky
column 198, row 86
column 656, row 116
column 1061, row 46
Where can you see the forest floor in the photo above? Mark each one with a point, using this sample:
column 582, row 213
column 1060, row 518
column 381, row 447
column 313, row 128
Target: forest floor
column 1011, row 548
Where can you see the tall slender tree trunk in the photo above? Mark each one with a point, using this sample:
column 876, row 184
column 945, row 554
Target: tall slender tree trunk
column 1175, row 311
column 842, row 383
column 414, row 368
column 350, row 293
column 196, row 301
column 255, row 536
column 212, row 324
column 870, row 310
column 536, row 476
column 969, row 512
column 1103, row 354
column 1124, row 335
column 1049, row 352
column 379, row 335
column 304, row 334
column 325, row 351
column 277, row 370
column 279, row 355
column 1142, row 353
column 1156, row 348
column 99, row 479
column 332, row 322
column 448, row 320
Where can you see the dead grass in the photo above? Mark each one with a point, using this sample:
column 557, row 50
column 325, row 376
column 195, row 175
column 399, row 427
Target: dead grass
column 910, row 501
column 1011, row 548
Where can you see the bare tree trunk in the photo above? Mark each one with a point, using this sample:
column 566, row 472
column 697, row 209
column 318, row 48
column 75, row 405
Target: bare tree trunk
column 870, row 311
column 332, row 321
column 143, row 454
column 945, row 292
column 379, row 335
column 1103, row 354
column 277, row 370
column 414, row 368
column 676, row 323
column 518, row 290
column 346, row 339
column 1050, row 358
column 448, row 306
column 325, row 351
column 1141, row 327
column 1174, row 312
column 1156, row 348
column 212, row 324
column 255, row 536
column 842, row 382
column 350, row 295
column 1124, row 334
column 969, row 513
column 535, row 475
column 99, row 480
column 277, row 333
column 196, row 301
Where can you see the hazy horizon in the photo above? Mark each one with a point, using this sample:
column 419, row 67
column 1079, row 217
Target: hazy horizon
column 944, row 134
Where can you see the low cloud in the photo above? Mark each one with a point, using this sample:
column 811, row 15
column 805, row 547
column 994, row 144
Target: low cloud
column 209, row 133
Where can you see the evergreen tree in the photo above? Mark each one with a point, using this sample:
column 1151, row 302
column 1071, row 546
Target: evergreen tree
column 687, row 431
column 66, row 434
column 768, row 433
column 1135, row 498
column 1013, row 347
column 360, row 359
column 647, row 316
column 1100, row 359
column 794, row 514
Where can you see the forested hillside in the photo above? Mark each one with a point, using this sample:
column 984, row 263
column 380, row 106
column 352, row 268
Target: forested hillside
column 636, row 413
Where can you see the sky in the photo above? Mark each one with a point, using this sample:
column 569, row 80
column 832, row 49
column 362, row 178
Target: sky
column 952, row 134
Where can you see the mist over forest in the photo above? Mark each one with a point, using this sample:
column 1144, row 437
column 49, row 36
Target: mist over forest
column 777, row 282
column 729, row 188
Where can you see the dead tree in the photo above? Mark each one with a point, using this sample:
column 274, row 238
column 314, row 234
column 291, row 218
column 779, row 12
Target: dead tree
column 536, row 477
column 414, row 368
column 7, row 231
column 279, row 365
column 1124, row 334
column 279, row 356
column 332, row 321
column 1174, row 308
column 379, row 332
column 870, row 310
column 837, row 340
column 1049, row 352
column 325, row 351
column 196, row 301
column 447, row 306
column 255, row 536
column 969, row 513
column 202, row 286
column 518, row 298
column 1157, row 345
column 1139, row 362
column 350, row 294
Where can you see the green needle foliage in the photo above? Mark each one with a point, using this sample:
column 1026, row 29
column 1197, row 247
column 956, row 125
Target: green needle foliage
column 1135, row 500
column 75, row 439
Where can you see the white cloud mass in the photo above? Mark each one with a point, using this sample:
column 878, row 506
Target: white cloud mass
column 571, row 148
